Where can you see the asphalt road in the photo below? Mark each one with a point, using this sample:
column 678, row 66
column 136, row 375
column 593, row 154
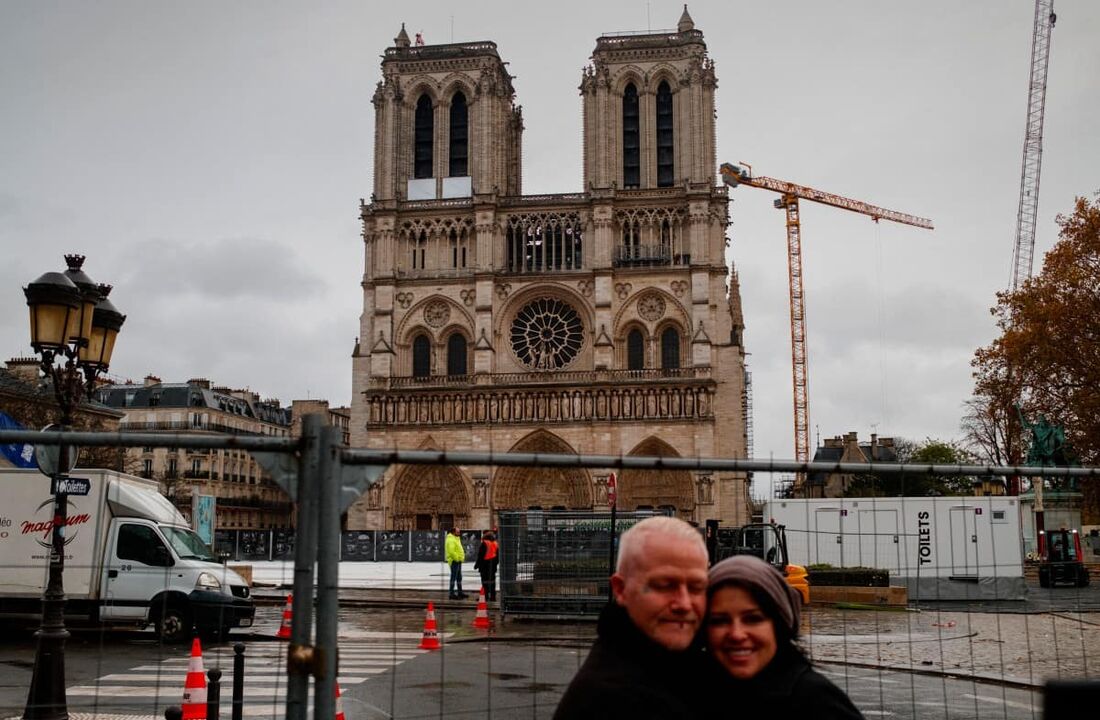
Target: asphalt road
column 383, row 675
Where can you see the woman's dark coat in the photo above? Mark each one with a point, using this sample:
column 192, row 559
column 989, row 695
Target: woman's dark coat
column 788, row 687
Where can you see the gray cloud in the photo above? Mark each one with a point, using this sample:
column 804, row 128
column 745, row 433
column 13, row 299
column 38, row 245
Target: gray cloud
column 217, row 271
column 240, row 138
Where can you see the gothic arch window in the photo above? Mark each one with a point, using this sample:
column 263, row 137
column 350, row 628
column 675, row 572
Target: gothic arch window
column 665, row 172
column 456, row 354
column 422, row 356
column 419, row 246
column 422, row 140
column 460, row 133
column 632, row 165
column 635, row 350
column 670, row 348
column 458, row 249
column 536, row 242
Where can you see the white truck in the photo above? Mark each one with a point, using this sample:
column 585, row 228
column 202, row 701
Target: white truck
column 130, row 558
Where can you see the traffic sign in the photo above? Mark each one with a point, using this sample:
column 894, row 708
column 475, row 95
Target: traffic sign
column 70, row 485
column 48, row 456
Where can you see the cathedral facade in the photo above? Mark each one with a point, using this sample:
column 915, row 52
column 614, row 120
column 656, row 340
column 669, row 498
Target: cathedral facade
column 604, row 321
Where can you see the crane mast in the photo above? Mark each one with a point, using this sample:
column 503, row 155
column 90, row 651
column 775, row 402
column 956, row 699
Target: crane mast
column 1024, row 248
column 790, row 193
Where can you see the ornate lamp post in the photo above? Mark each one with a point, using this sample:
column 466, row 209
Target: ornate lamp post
column 73, row 329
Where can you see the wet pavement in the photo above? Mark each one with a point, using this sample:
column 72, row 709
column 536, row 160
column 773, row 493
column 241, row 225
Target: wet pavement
column 1054, row 633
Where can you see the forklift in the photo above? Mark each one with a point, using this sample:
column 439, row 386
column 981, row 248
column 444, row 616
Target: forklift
column 1060, row 559
column 767, row 541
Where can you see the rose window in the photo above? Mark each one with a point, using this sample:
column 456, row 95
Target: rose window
column 547, row 334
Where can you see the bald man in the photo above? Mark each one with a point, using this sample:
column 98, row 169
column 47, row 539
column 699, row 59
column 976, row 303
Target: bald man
column 644, row 659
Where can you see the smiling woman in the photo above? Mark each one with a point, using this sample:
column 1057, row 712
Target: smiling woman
column 752, row 621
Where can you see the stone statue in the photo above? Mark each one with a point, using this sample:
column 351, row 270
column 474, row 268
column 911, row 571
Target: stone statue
column 1048, row 442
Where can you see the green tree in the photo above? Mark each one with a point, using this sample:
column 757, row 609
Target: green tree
column 930, row 452
column 1047, row 356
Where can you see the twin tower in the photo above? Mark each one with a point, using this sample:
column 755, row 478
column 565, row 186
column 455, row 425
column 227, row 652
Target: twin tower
column 605, row 321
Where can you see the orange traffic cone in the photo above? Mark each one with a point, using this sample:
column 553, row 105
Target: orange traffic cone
column 339, row 704
column 288, row 613
column 481, row 620
column 430, row 641
column 194, row 687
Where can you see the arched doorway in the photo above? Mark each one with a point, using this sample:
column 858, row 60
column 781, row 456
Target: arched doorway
column 656, row 489
column 519, row 488
column 429, row 497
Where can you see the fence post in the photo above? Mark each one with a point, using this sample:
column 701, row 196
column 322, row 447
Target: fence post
column 213, row 694
column 238, row 681
column 328, row 581
column 305, row 554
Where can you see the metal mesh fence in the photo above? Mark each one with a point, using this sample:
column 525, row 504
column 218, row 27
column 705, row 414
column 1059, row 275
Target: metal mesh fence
column 982, row 653
column 556, row 563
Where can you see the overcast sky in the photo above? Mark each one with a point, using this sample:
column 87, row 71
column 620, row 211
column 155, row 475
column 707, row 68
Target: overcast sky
column 209, row 157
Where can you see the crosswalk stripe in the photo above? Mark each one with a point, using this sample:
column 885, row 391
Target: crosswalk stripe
column 275, row 663
column 265, row 675
column 135, row 691
column 270, row 679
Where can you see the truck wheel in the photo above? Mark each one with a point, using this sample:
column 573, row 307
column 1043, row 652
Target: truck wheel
column 1044, row 578
column 1082, row 578
column 173, row 624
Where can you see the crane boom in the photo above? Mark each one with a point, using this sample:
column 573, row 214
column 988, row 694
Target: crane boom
column 790, row 194
column 734, row 175
column 1024, row 247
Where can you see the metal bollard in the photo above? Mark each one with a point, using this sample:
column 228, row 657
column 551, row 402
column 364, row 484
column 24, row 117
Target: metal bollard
column 213, row 694
column 238, row 681
column 173, row 712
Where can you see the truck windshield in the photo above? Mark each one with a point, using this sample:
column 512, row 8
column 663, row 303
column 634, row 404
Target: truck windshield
column 187, row 544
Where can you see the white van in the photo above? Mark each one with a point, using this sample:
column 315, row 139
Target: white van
column 130, row 559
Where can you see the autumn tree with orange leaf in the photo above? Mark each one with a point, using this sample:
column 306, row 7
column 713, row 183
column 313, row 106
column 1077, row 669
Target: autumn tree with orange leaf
column 1048, row 355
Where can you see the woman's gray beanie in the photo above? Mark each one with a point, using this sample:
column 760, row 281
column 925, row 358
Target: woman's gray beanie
column 755, row 574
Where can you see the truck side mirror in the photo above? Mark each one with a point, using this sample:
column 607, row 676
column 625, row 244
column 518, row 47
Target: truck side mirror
column 161, row 556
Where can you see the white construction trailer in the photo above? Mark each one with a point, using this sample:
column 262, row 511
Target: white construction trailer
column 940, row 548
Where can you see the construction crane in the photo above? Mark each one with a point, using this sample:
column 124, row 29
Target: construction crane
column 790, row 194
column 1024, row 248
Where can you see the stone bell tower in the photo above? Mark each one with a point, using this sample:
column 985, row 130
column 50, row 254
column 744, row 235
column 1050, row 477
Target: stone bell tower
column 649, row 111
column 429, row 100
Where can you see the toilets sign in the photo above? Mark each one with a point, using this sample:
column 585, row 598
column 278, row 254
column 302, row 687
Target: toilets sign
column 924, row 538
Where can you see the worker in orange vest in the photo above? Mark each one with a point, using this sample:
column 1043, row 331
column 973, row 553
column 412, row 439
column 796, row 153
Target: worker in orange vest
column 487, row 561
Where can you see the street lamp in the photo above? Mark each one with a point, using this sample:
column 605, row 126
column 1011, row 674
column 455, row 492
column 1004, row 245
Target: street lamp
column 73, row 329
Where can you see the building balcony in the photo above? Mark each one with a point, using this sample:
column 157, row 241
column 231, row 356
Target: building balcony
column 648, row 256
column 182, row 426
column 544, row 398
column 555, row 377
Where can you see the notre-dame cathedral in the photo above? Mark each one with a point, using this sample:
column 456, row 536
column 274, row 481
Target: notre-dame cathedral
column 602, row 321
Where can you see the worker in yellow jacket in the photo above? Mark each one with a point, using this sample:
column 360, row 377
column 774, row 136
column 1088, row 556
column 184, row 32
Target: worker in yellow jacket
column 455, row 556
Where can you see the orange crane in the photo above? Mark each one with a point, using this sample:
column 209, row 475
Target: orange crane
column 790, row 194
